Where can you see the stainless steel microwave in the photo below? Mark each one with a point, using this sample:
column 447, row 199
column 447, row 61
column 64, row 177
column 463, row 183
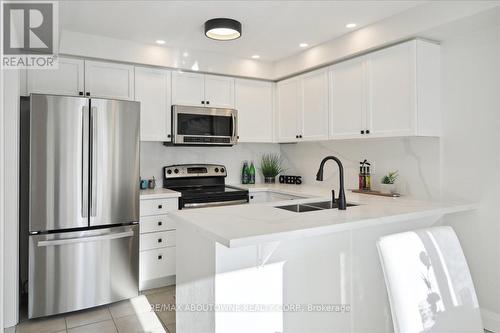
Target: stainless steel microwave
column 193, row 125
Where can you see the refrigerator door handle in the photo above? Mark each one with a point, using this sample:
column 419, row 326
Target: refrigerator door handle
column 93, row 166
column 74, row 240
column 85, row 161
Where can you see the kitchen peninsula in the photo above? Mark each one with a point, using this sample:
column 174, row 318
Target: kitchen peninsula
column 267, row 269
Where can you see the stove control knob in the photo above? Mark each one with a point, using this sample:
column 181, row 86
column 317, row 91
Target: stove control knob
column 222, row 170
column 176, row 170
column 216, row 169
column 169, row 171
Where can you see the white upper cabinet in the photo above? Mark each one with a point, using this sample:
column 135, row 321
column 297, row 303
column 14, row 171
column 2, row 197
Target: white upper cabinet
column 109, row 80
column 153, row 91
column 188, row 89
column 289, row 110
column 314, row 105
column 202, row 90
column 254, row 102
column 391, row 84
column 67, row 79
column 219, row 91
column 387, row 93
column 347, row 99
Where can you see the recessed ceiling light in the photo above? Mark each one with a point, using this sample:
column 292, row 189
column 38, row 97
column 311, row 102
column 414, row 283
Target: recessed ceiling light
column 255, row 56
column 351, row 25
column 160, row 41
column 223, row 29
column 303, row 45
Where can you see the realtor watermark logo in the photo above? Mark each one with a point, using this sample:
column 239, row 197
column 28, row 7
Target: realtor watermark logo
column 29, row 36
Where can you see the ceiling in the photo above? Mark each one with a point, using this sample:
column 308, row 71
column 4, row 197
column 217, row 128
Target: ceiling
column 271, row 29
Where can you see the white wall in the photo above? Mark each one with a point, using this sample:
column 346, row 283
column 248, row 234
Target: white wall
column 86, row 45
column 154, row 156
column 417, row 160
column 471, row 154
column 10, row 184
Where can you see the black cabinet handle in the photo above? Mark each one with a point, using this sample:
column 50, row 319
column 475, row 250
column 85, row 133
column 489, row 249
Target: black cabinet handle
column 169, row 135
column 87, row 93
column 296, row 137
column 160, row 240
column 251, row 197
column 159, row 223
column 362, row 132
column 202, row 102
column 160, row 206
column 300, row 136
column 208, row 102
column 367, row 131
column 160, row 257
column 80, row 93
column 238, row 137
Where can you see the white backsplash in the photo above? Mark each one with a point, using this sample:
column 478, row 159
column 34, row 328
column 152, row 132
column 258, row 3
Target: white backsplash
column 154, row 156
column 416, row 159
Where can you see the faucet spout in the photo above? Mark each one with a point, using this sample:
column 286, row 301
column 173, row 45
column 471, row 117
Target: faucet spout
column 342, row 204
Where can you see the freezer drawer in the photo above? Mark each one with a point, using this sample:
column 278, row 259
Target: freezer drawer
column 77, row 270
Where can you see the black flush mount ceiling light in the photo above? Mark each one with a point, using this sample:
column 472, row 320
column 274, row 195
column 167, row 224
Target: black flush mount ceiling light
column 223, row 29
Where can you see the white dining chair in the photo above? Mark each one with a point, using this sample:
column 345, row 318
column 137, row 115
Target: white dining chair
column 428, row 282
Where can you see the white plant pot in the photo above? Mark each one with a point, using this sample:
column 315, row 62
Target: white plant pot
column 388, row 188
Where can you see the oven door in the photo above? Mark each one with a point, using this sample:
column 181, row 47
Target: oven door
column 203, row 126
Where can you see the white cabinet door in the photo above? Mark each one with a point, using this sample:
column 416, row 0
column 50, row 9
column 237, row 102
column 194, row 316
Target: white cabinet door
column 153, row 90
column 314, row 106
column 66, row 80
column 254, row 103
column 289, row 108
column 188, row 89
column 391, row 77
column 109, row 80
column 347, row 99
column 219, row 91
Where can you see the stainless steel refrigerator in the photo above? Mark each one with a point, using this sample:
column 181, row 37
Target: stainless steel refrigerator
column 81, row 201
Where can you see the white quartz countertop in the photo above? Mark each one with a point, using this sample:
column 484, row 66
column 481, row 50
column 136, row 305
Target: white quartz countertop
column 243, row 225
column 158, row 193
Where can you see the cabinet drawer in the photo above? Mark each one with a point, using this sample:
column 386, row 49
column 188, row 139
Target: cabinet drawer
column 156, row 223
column 156, row 240
column 158, row 206
column 156, row 263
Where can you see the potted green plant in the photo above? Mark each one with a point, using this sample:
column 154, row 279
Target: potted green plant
column 270, row 167
column 388, row 184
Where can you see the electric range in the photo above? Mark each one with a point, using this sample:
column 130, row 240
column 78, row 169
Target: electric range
column 202, row 185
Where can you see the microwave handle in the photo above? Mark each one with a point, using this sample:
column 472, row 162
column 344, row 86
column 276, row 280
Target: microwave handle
column 235, row 126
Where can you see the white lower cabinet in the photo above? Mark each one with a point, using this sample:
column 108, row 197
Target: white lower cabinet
column 156, row 264
column 157, row 243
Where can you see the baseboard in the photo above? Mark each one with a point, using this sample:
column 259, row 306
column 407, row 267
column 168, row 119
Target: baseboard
column 157, row 283
column 491, row 320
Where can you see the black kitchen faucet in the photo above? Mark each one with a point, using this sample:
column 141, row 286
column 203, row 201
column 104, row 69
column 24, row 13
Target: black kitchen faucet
column 319, row 177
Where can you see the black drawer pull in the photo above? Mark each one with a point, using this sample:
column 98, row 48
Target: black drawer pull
column 367, row 131
column 160, row 206
column 160, row 257
column 362, row 132
column 159, row 223
column 88, row 93
column 160, row 240
column 202, row 102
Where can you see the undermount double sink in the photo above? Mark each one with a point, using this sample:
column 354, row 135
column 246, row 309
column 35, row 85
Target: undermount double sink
column 310, row 207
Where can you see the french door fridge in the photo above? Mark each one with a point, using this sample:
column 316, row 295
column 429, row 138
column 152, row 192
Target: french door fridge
column 83, row 202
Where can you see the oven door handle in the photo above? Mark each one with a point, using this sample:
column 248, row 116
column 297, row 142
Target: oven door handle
column 214, row 204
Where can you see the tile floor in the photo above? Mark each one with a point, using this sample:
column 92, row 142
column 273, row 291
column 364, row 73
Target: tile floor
column 130, row 316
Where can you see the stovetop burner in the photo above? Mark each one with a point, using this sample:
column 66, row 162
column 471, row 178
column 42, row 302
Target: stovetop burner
column 202, row 185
